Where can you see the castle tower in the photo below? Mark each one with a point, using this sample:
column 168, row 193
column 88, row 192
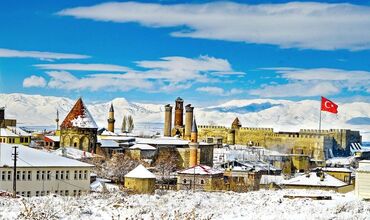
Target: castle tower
column 2, row 113
column 167, row 120
column 194, row 145
column 57, row 120
column 179, row 111
column 231, row 137
column 188, row 121
column 111, row 119
column 236, row 124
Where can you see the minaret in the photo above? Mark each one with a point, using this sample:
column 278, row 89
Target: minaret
column 57, row 120
column 188, row 121
column 179, row 111
column 167, row 120
column 111, row 119
column 194, row 145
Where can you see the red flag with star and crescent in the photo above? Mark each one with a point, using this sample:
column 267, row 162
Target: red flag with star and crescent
column 328, row 106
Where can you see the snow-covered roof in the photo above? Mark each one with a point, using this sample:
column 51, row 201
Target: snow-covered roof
column 53, row 138
column 200, row 170
column 18, row 131
column 29, row 157
column 143, row 147
column 162, row 141
column 341, row 161
column 117, row 138
column 140, row 172
column 7, row 133
column 108, row 133
column 337, row 169
column 73, row 153
column 364, row 168
column 79, row 116
column 108, row 144
column 98, row 186
column 313, row 180
column 267, row 179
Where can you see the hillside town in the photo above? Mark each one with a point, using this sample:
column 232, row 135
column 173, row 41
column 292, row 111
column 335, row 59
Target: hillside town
column 78, row 158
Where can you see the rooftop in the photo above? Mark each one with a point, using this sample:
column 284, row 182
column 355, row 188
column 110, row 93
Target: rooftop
column 29, row 157
column 201, row 170
column 140, row 172
column 79, row 117
column 312, row 179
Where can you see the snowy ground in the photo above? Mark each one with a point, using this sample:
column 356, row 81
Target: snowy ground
column 187, row 205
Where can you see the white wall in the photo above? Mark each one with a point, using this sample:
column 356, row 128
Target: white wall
column 362, row 189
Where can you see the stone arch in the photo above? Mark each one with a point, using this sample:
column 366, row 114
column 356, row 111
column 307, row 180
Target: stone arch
column 76, row 142
column 67, row 141
column 85, row 143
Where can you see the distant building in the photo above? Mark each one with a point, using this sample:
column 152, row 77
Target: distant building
column 6, row 122
column 40, row 173
column 362, row 186
column 200, row 177
column 79, row 129
column 14, row 135
column 140, row 180
column 51, row 142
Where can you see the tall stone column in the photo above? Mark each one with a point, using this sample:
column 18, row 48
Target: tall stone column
column 179, row 111
column 193, row 145
column 188, row 121
column 111, row 119
column 167, row 120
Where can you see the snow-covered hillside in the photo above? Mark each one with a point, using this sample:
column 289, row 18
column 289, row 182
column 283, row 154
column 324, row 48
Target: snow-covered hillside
column 280, row 114
column 188, row 205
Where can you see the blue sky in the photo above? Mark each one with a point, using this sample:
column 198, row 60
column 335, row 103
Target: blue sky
column 205, row 51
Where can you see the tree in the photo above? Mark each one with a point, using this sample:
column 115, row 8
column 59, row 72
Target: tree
column 124, row 124
column 130, row 124
column 167, row 164
column 118, row 166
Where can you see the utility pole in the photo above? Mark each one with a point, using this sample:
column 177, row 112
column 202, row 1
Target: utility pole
column 15, row 155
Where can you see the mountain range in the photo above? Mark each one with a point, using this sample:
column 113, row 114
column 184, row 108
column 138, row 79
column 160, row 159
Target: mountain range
column 282, row 115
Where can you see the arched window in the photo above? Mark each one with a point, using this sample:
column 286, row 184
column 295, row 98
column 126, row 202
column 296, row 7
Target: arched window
column 201, row 181
column 184, row 181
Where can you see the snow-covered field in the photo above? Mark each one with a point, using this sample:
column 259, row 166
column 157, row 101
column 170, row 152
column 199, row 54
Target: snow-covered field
column 188, row 205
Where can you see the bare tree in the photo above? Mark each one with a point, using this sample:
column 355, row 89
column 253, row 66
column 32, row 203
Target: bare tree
column 130, row 124
column 118, row 166
column 124, row 124
column 166, row 165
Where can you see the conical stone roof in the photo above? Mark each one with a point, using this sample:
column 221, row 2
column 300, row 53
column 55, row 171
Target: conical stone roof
column 79, row 117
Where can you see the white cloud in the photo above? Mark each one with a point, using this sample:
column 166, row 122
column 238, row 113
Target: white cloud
column 219, row 91
column 34, row 81
column 314, row 82
column 309, row 25
column 166, row 74
column 83, row 67
column 39, row 55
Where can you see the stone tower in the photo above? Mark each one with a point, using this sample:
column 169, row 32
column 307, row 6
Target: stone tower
column 236, row 124
column 167, row 120
column 111, row 119
column 79, row 129
column 179, row 111
column 194, row 145
column 188, row 121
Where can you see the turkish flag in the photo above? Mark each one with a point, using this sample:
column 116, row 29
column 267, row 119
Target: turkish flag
column 328, row 106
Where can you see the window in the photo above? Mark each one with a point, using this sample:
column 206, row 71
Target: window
column 67, row 175
column 80, row 174
column 56, row 191
column 38, row 175
column 47, row 193
column 42, row 193
column 29, row 175
column 56, row 175
column 18, row 175
column 37, row 193
column 66, row 193
column 85, row 175
column 9, row 175
column 74, row 192
column 79, row 192
column 62, row 174
column 201, row 181
column 184, row 181
column 24, row 175
column 26, row 139
column 48, row 175
column 75, row 174
column 23, row 194
column 43, row 175
column 28, row 193
column 3, row 175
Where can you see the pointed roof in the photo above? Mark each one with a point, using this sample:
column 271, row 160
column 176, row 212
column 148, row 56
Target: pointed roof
column 111, row 108
column 79, row 117
column 194, row 127
column 140, row 172
column 236, row 123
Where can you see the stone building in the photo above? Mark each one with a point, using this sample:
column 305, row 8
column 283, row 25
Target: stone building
column 79, row 129
column 140, row 180
column 313, row 143
column 111, row 119
column 6, row 122
column 200, row 177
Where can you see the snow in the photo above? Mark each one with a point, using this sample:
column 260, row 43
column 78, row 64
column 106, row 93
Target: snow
column 84, row 122
column 73, row 153
column 100, row 186
column 140, row 172
column 201, row 170
column 337, row 169
column 53, row 138
column 36, row 158
column 108, row 133
column 143, row 147
column 284, row 115
column 364, row 168
column 267, row 179
column 340, row 161
column 18, row 131
column 190, row 205
column 7, row 133
column 162, row 141
column 314, row 180
column 108, row 144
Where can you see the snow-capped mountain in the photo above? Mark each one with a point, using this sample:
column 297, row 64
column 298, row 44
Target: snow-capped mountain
column 280, row 114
